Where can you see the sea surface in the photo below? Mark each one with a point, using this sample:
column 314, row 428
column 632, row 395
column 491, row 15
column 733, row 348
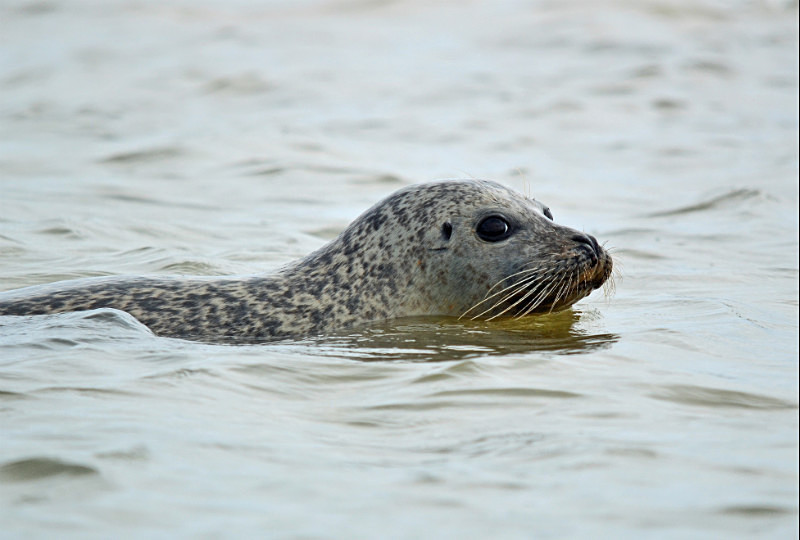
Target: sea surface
column 219, row 137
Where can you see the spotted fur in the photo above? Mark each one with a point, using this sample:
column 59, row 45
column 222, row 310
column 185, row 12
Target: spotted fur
column 415, row 253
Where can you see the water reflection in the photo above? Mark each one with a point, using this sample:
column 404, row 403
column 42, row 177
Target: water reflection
column 434, row 339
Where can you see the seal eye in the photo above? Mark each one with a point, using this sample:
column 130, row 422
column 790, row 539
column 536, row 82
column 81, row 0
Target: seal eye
column 548, row 214
column 493, row 229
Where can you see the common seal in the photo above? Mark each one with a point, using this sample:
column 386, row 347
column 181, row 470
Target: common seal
column 461, row 248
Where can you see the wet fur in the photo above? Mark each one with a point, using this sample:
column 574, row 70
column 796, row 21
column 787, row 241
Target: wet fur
column 397, row 259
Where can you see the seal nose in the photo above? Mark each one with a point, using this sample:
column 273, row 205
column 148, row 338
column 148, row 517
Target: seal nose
column 589, row 241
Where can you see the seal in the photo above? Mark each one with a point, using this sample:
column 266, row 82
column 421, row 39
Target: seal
column 462, row 248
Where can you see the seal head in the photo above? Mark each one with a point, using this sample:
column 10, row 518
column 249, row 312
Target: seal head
column 472, row 249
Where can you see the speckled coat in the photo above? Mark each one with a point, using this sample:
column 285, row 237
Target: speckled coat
column 415, row 253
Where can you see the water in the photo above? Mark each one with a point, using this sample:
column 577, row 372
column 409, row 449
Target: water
column 220, row 138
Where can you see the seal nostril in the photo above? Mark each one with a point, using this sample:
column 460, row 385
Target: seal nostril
column 447, row 230
column 595, row 245
column 588, row 240
column 582, row 239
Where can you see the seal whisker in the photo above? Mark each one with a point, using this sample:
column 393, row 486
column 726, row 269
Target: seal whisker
column 524, row 297
column 533, row 303
column 559, row 286
column 523, row 271
column 537, row 301
column 558, row 289
column 564, row 287
column 516, row 287
column 538, row 297
column 489, row 297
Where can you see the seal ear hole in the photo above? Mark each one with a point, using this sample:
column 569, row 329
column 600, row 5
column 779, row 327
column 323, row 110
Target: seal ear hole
column 447, row 230
column 493, row 229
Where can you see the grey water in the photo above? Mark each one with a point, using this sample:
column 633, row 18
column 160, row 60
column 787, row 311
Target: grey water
column 212, row 137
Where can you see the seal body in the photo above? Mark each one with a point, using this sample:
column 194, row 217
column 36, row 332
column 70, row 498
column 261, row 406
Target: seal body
column 466, row 248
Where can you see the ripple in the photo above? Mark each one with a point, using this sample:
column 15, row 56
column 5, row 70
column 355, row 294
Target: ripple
column 242, row 84
column 715, row 397
column 115, row 318
column 508, row 392
column 64, row 331
column 496, row 444
column 668, row 104
column 434, row 405
column 30, row 469
column 64, row 231
column 9, row 395
column 145, row 156
column 710, row 66
column 102, row 393
column 199, row 268
column 757, row 510
column 732, row 198
column 135, row 453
